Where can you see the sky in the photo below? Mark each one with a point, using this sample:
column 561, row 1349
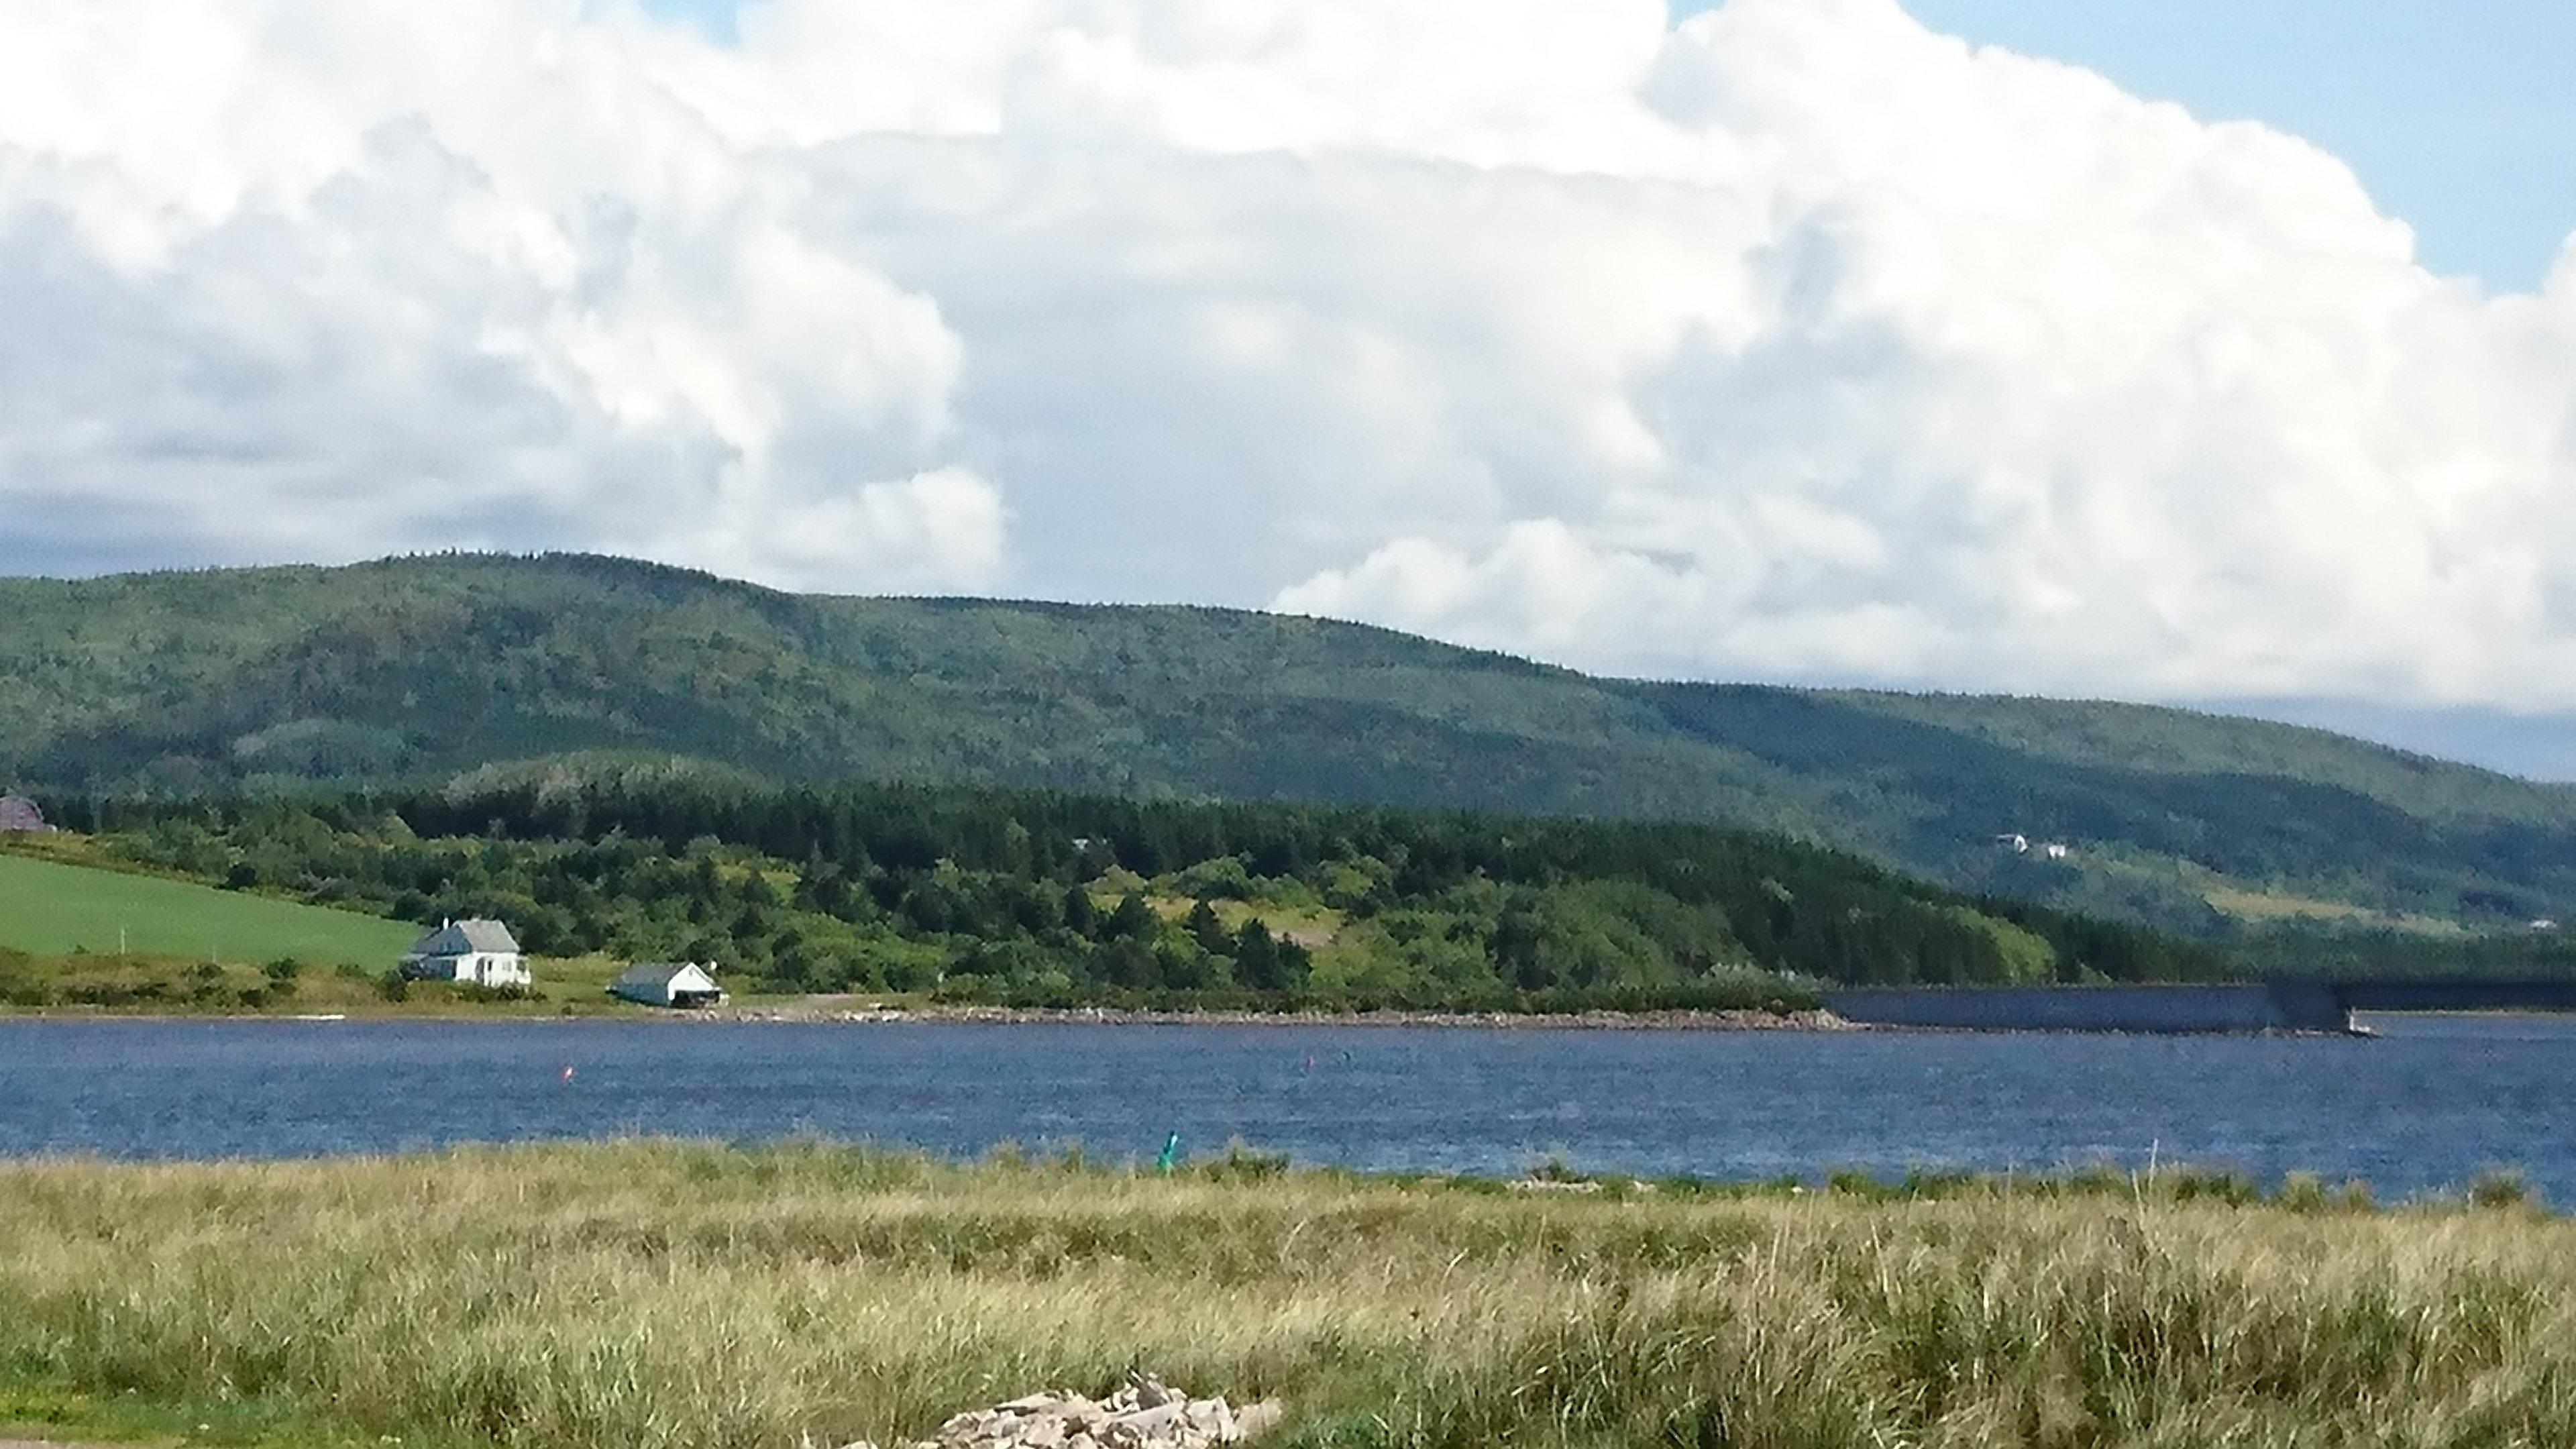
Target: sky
column 2214, row 354
column 2455, row 116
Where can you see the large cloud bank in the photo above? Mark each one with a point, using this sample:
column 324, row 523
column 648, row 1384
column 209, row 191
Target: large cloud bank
column 1795, row 341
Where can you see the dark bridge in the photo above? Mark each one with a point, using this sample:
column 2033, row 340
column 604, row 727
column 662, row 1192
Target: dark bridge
column 2272, row 1006
column 2457, row 995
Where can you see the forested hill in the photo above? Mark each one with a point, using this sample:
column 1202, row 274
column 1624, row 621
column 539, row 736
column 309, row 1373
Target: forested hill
column 414, row 669
column 1041, row 898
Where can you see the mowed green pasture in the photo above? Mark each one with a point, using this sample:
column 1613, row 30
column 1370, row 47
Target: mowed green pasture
column 48, row 908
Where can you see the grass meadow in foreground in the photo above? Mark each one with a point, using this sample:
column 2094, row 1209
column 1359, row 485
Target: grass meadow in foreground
column 643, row 1295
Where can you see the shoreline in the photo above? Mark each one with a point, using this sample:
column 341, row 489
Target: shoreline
column 1814, row 1021
column 1674, row 1020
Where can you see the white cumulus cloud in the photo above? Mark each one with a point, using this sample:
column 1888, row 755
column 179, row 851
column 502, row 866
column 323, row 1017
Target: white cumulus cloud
column 1793, row 341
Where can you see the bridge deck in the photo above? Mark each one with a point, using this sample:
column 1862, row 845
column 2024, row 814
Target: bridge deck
column 2457, row 995
column 2315, row 1006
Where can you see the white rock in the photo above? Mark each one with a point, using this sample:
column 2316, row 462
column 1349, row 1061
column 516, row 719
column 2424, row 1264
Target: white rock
column 1135, row 1430
column 1145, row 1414
column 1254, row 1420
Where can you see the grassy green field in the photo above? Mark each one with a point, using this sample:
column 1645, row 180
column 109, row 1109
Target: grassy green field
column 666, row 1296
column 49, row 907
column 195, row 950
column 177, row 985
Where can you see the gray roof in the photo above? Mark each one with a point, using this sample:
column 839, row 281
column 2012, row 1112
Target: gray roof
column 458, row 938
column 657, row 973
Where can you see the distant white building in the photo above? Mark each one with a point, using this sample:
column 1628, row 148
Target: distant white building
column 19, row 816
column 477, row 952
column 666, row 983
column 2017, row 844
column 2544, row 924
column 2054, row 851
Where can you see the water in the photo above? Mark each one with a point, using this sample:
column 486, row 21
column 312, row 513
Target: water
column 2424, row 1108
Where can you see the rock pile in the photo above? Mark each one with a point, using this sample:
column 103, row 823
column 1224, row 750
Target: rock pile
column 1146, row 1414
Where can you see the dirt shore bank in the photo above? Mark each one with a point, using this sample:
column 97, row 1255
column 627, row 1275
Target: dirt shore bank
column 864, row 1012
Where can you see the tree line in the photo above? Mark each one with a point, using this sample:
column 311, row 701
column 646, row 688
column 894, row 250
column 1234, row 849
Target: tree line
column 1043, row 896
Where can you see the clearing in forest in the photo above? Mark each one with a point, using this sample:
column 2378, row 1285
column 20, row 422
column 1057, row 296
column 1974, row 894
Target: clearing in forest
column 49, row 908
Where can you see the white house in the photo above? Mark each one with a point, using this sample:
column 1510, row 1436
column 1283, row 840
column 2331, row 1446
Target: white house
column 664, row 983
column 479, row 953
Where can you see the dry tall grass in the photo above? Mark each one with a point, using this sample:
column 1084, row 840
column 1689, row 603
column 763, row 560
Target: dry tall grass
column 645, row 1295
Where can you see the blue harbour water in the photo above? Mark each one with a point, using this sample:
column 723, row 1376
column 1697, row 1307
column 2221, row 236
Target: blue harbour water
column 2423, row 1108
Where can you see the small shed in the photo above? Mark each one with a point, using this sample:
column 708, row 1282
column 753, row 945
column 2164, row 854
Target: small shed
column 19, row 816
column 669, row 983
column 476, row 952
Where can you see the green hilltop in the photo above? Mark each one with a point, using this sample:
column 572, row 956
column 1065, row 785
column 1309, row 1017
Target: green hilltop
column 414, row 669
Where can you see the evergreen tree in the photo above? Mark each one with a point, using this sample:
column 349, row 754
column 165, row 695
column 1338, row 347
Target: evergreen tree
column 1257, row 960
column 1080, row 916
column 1133, row 920
column 1515, row 948
column 1296, row 964
column 1208, row 931
column 1184, row 966
column 1126, row 962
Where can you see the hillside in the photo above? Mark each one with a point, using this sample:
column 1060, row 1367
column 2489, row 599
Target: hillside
column 54, row 908
column 413, row 669
column 1040, row 898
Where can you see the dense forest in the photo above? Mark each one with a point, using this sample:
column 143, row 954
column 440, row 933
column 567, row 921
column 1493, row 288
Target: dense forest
column 1048, row 898
column 405, row 672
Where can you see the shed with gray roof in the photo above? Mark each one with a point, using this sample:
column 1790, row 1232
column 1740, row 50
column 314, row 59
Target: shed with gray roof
column 668, row 983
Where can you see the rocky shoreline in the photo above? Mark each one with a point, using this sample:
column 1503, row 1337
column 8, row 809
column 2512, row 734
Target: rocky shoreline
column 872, row 1014
column 1803, row 1021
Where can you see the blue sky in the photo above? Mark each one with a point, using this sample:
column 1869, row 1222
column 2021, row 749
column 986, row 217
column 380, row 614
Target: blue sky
column 2456, row 116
